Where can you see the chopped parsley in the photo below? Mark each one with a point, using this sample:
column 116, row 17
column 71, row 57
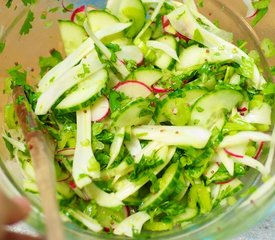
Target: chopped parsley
column 27, row 25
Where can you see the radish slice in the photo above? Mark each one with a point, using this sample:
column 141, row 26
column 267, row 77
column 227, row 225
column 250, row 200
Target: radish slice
column 126, row 211
column 72, row 184
column 80, row 9
column 130, row 53
column 224, row 182
column 181, row 36
column 259, row 151
column 164, row 47
column 167, row 26
column 100, row 109
column 259, row 115
column 133, row 89
column 76, row 11
column 251, row 11
column 158, row 89
column 233, row 154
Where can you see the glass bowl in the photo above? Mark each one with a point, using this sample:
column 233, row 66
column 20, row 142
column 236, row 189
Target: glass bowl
column 223, row 222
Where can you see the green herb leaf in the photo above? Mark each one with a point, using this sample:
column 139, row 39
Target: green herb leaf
column 2, row 46
column 267, row 45
column 46, row 63
column 9, row 3
column 28, row 2
column 27, row 25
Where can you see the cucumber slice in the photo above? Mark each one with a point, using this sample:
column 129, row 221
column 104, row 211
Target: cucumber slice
column 163, row 60
column 100, row 19
column 186, row 216
column 86, row 92
column 72, row 35
column 167, row 186
column 208, row 111
column 157, row 226
column 129, row 11
column 147, row 75
column 131, row 114
column 175, row 108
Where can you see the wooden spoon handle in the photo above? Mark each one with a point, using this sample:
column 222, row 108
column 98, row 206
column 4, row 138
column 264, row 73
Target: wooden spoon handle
column 41, row 149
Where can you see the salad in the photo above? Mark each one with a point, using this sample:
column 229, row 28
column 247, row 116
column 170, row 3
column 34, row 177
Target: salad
column 156, row 116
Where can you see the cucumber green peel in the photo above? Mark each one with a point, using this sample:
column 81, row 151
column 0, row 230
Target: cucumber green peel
column 156, row 162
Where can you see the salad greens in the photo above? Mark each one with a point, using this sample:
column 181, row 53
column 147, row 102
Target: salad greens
column 155, row 119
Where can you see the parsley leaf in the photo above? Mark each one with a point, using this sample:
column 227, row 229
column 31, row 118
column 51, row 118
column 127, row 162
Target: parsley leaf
column 28, row 2
column 46, row 63
column 9, row 3
column 27, row 25
column 2, row 46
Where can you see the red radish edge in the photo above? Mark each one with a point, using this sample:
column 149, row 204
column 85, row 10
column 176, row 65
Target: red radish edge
column 106, row 114
column 165, row 22
column 72, row 184
column 76, row 11
column 64, row 7
column 157, row 89
column 127, row 211
column 131, row 81
column 181, row 36
column 106, row 229
column 233, row 154
column 254, row 14
column 259, row 151
column 227, row 181
column 243, row 109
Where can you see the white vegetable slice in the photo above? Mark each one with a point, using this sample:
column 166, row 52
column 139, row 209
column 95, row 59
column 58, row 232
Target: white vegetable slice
column 132, row 224
column 73, row 76
column 211, row 170
column 130, row 53
column 85, row 165
column 102, row 198
column 253, row 163
column 17, row 144
column 164, row 47
column 133, row 146
column 65, row 65
column 243, row 137
column 116, row 145
column 114, row 28
column 87, row 221
column 148, row 150
column 259, row 115
column 118, row 65
column 193, row 136
column 182, row 17
column 227, row 162
column 126, row 188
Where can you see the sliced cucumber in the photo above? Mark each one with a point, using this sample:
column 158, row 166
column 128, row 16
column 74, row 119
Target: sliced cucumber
column 186, row 216
column 163, row 60
column 72, row 35
column 100, row 19
column 86, row 92
column 129, row 11
column 157, row 226
column 131, row 114
column 147, row 75
column 208, row 111
column 167, row 186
